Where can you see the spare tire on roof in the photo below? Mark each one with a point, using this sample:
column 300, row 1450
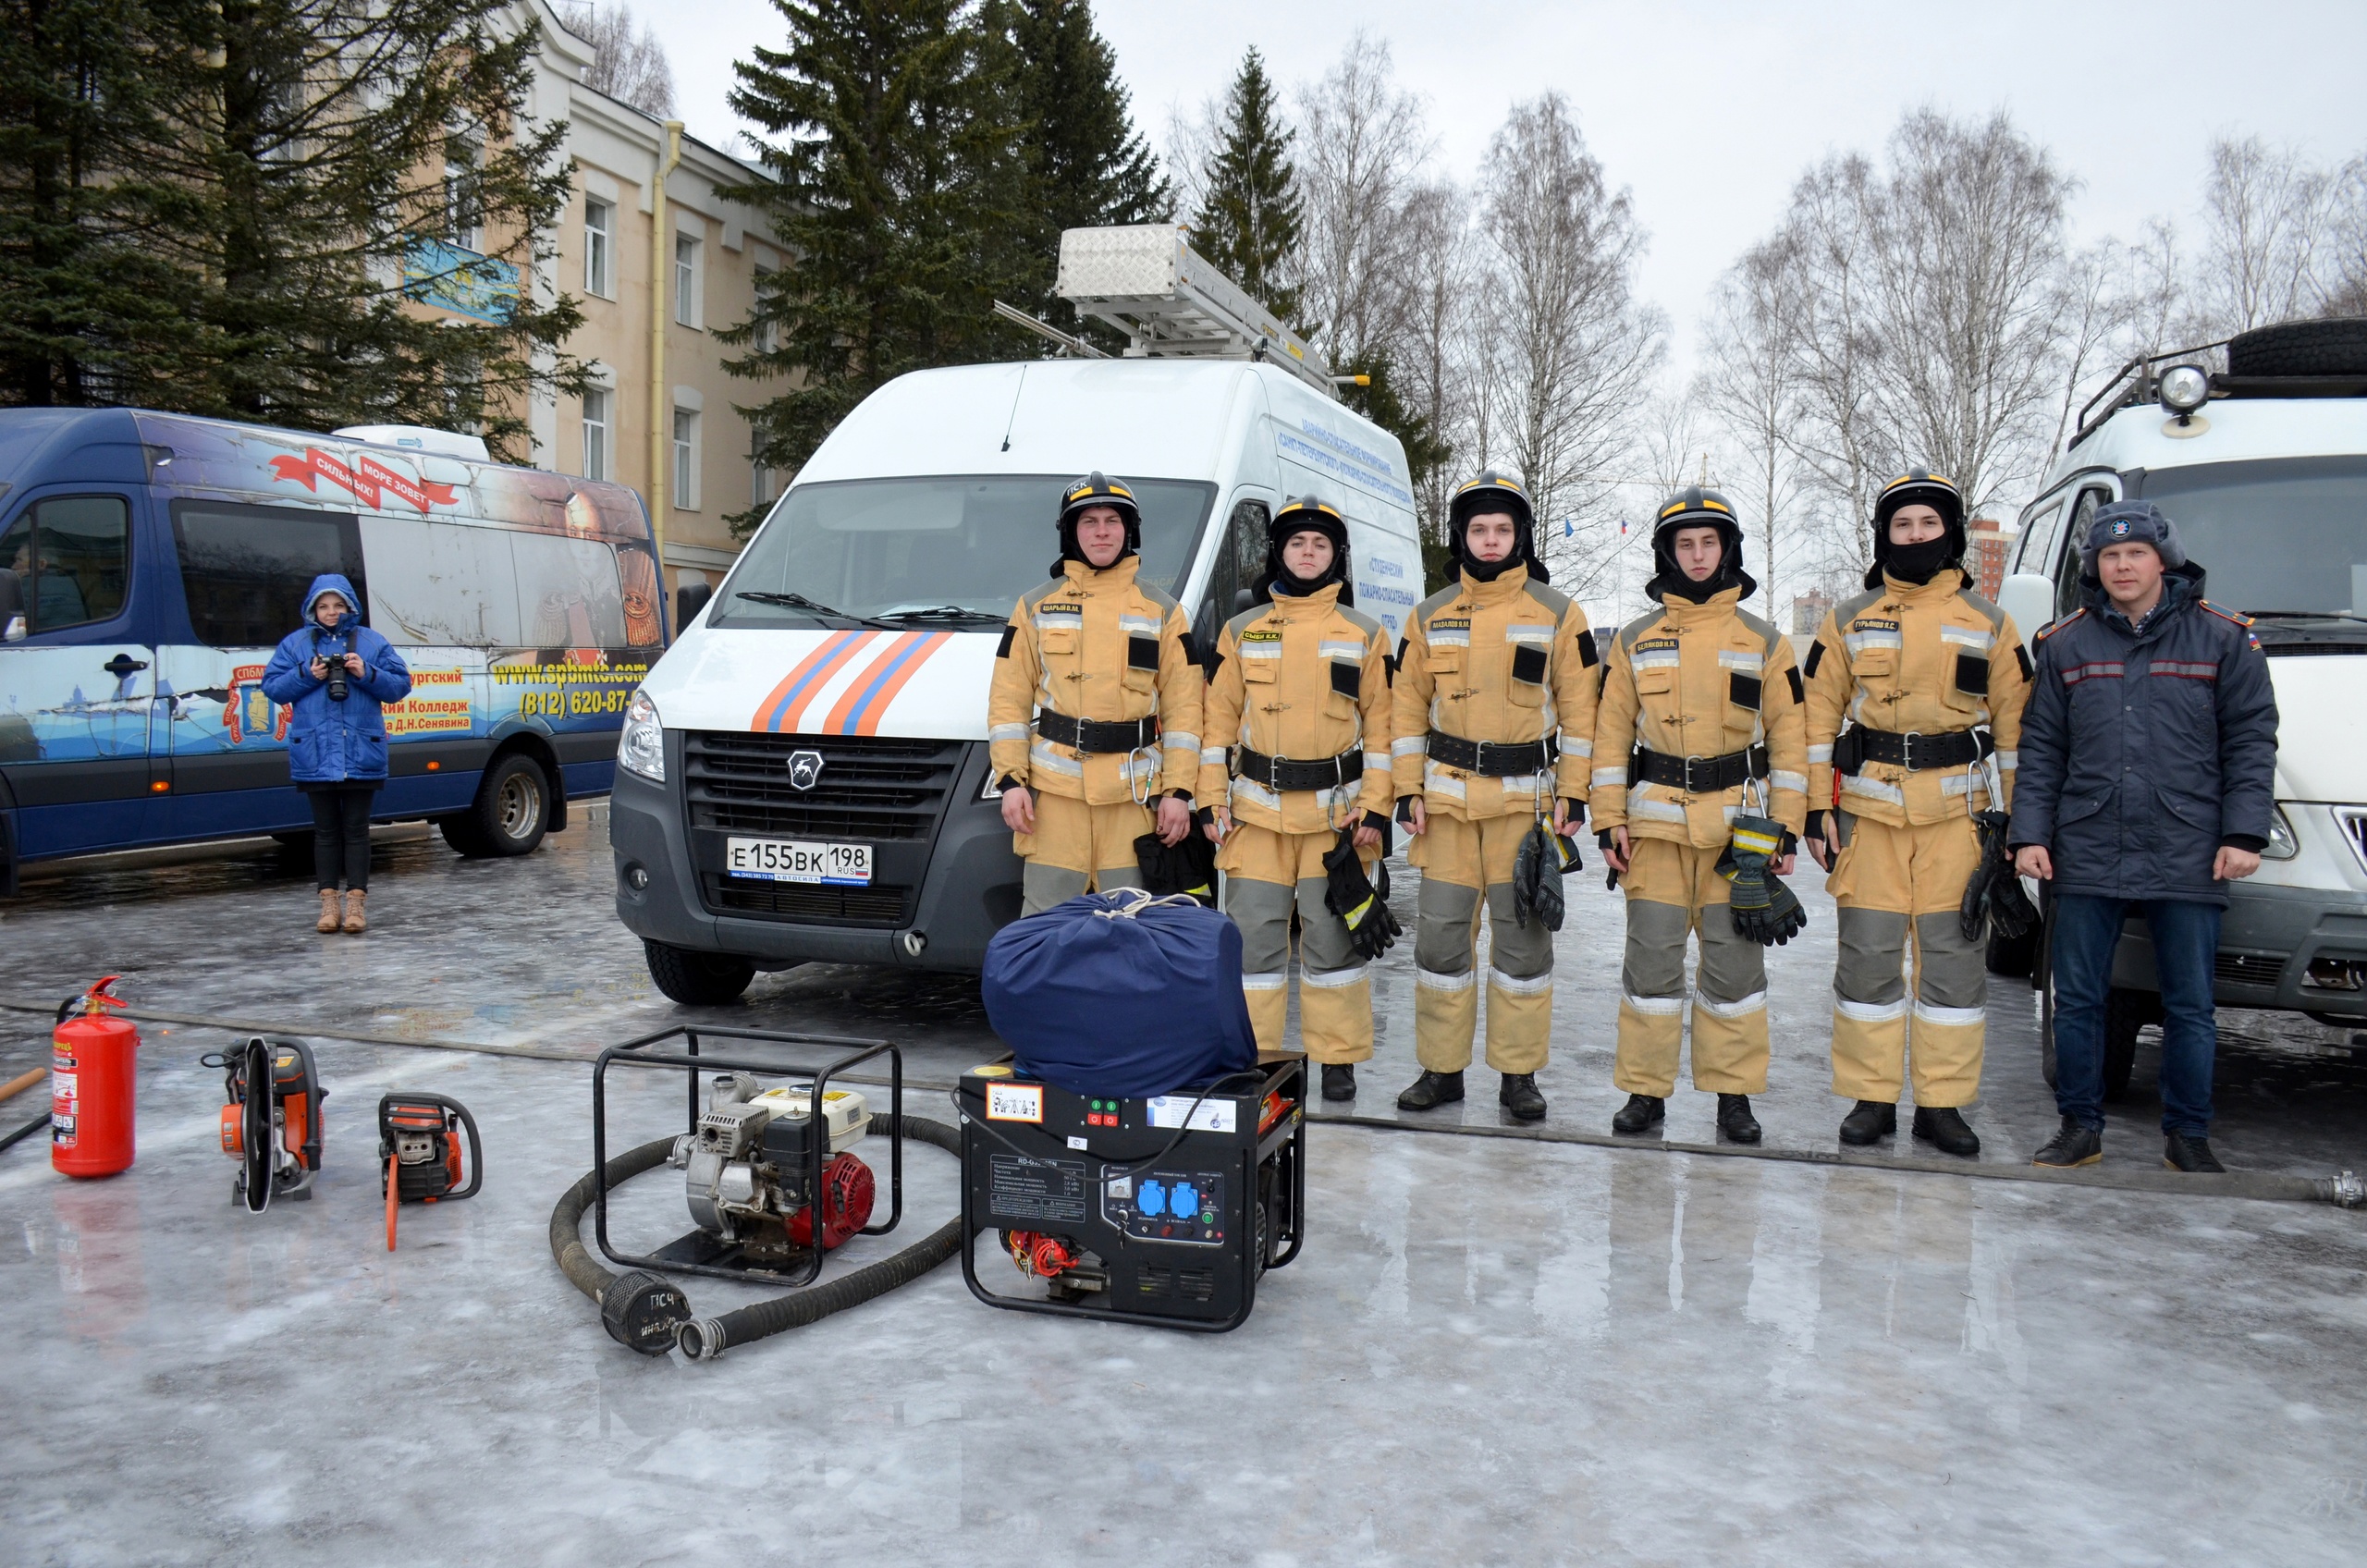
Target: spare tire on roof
column 2335, row 347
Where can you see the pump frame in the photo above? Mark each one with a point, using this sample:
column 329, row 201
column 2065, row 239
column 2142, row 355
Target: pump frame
column 696, row 1063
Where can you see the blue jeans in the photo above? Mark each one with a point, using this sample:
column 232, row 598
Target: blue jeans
column 2186, row 941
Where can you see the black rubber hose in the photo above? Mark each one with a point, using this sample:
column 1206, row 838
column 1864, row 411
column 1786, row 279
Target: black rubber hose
column 702, row 1339
column 2343, row 1191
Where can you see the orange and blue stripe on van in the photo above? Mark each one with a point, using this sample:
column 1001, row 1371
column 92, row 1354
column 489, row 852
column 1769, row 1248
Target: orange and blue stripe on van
column 878, row 666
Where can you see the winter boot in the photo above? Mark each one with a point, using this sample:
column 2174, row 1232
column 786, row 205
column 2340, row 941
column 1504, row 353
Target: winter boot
column 1641, row 1114
column 354, row 923
column 328, row 912
column 2190, row 1152
column 1944, row 1129
column 1431, row 1090
column 1519, row 1096
column 1872, row 1120
column 1339, row 1081
column 2072, row 1145
column 1735, row 1123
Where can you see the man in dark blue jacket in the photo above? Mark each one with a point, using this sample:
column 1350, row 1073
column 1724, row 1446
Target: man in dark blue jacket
column 2148, row 751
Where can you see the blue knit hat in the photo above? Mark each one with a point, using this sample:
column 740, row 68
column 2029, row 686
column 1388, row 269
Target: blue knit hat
column 2130, row 522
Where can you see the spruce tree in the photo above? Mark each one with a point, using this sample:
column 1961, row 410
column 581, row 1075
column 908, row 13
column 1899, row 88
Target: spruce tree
column 82, row 301
column 1088, row 165
column 1249, row 218
column 302, row 179
column 900, row 186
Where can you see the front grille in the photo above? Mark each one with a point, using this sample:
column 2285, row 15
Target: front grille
column 879, row 904
column 870, row 788
column 2248, row 969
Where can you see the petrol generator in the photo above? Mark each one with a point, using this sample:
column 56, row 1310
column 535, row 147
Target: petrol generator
column 1164, row 1210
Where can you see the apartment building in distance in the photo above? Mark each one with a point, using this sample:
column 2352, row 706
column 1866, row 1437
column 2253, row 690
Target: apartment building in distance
column 658, row 278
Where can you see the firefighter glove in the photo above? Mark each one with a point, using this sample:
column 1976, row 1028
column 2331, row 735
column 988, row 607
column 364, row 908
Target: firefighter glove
column 1349, row 893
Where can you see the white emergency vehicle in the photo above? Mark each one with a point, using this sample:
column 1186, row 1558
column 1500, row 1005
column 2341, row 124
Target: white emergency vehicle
column 2262, row 466
column 804, row 775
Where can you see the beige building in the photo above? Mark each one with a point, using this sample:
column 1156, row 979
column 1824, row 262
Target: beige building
column 657, row 276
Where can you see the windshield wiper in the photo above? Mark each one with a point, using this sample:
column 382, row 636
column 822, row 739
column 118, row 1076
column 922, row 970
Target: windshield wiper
column 948, row 612
column 800, row 602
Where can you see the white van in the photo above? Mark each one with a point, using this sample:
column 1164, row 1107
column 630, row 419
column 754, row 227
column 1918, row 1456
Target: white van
column 2263, row 469
column 833, row 695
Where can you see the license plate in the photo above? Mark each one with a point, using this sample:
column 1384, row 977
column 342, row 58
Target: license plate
column 788, row 860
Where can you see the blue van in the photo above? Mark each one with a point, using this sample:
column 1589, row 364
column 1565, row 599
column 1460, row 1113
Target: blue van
column 149, row 562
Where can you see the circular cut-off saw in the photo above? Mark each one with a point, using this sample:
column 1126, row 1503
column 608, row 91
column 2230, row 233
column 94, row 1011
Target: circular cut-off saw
column 272, row 1124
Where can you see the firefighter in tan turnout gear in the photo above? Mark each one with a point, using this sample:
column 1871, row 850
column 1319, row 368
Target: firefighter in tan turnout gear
column 1914, row 696
column 1496, row 688
column 1297, row 757
column 1699, row 746
column 1094, row 718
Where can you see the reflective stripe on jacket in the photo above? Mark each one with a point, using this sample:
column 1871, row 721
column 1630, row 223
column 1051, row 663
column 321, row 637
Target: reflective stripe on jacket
column 1507, row 661
column 1926, row 659
column 1096, row 646
column 1699, row 680
column 1305, row 679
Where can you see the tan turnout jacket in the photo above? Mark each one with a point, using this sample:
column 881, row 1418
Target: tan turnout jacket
column 1305, row 679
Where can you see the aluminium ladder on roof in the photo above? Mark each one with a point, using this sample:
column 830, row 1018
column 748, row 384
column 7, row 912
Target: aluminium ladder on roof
column 1172, row 303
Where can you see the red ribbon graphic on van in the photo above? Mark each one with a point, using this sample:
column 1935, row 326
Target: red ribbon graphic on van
column 883, row 663
column 365, row 478
column 245, row 710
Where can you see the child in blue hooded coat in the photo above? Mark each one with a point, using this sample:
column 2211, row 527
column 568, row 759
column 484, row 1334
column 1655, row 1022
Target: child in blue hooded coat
column 336, row 746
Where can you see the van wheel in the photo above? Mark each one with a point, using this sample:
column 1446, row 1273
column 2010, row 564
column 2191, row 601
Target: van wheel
column 506, row 817
column 697, row 979
column 2015, row 957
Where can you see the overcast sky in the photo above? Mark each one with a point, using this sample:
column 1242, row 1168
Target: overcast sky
column 1709, row 112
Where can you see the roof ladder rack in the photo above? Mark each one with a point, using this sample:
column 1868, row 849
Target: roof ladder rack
column 1171, row 302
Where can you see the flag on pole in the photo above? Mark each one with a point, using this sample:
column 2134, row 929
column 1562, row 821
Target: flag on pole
column 1565, row 527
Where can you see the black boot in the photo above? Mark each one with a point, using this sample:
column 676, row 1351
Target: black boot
column 1872, row 1120
column 1641, row 1114
column 1519, row 1096
column 1339, row 1081
column 2072, row 1145
column 1431, row 1090
column 2190, row 1152
column 1736, row 1123
column 1944, row 1129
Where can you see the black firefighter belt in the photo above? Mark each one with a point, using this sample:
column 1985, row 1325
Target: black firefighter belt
column 1095, row 737
column 1698, row 776
column 1913, row 750
column 1290, row 773
column 1495, row 759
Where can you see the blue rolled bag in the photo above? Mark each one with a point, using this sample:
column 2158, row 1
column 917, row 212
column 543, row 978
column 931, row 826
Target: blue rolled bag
column 1120, row 994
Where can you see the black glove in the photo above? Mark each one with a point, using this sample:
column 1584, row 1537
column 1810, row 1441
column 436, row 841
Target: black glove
column 1610, row 872
column 1576, row 811
column 1993, row 900
column 1543, row 859
column 1189, row 867
column 1764, row 910
column 1406, row 807
column 1818, row 828
column 1386, row 828
column 1349, row 893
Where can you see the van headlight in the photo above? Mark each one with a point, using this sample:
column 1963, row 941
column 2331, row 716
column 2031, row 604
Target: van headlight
column 2282, row 844
column 641, row 747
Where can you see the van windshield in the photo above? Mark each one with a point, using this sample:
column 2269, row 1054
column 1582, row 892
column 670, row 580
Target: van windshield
column 886, row 548
column 2276, row 535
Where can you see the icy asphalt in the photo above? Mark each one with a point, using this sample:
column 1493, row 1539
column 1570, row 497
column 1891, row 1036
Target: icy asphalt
column 1487, row 1352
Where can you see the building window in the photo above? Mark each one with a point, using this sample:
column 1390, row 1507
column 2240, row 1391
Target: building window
column 686, row 459
column 595, row 434
column 599, row 235
column 765, row 336
column 464, row 220
column 686, row 280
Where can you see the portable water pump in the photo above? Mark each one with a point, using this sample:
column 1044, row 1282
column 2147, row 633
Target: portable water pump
column 272, row 1124
column 747, row 1169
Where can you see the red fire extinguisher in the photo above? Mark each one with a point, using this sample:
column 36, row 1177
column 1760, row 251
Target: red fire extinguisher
column 91, row 1080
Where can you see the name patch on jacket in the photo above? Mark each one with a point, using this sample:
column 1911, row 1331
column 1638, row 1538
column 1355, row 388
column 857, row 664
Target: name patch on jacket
column 1451, row 623
column 1656, row 644
column 1261, row 636
column 1054, row 606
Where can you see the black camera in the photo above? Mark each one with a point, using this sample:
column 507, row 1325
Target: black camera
column 336, row 667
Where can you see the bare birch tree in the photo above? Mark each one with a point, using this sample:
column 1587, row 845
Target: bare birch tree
column 627, row 62
column 1361, row 146
column 1748, row 382
column 1430, row 353
column 1579, row 349
column 2267, row 220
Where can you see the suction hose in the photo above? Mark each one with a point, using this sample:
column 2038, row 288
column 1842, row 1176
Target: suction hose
column 649, row 1315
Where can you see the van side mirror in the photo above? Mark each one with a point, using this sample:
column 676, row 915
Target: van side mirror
column 2029, row 597
column 689, row 599
column 1243, row 599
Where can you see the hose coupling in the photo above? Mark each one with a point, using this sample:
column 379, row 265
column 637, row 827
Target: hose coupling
column 701, row 1339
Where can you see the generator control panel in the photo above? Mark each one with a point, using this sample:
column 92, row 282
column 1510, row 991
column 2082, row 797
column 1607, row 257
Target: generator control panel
column 1168, row 1206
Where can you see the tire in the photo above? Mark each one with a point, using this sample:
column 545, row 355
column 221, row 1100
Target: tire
column 697, row 979
column 2337, row 346
column 509, row 815
column 2015, row 957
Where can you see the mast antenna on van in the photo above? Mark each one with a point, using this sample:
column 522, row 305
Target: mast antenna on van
column 1171, row 302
